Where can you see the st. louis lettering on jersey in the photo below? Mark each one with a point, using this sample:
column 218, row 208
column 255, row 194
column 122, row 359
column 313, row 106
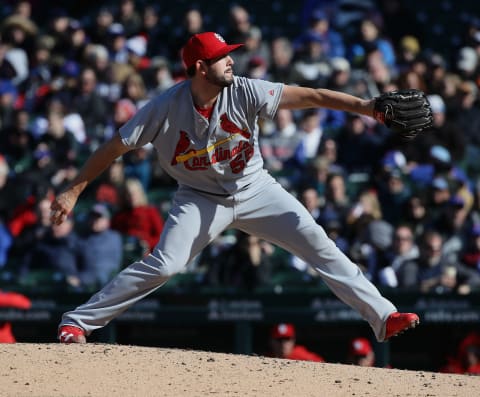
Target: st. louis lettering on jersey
column 220, row 151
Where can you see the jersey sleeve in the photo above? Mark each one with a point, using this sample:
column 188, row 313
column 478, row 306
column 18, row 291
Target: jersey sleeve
column 145, row 125
column 265, row 96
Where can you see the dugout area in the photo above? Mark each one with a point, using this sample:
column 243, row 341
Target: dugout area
column 240, row 323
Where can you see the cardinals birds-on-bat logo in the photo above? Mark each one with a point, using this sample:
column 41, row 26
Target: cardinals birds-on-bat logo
column 182, row 146
column 238, row 155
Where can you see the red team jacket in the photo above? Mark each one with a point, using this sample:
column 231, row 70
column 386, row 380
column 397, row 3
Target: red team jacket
column 13, row 300
column 301, row 353
column 144, row 222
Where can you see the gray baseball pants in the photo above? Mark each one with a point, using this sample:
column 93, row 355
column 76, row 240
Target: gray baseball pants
column 263, row 209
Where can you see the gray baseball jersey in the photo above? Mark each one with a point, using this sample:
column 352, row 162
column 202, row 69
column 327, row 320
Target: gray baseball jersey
column 222, row 184
column 220, row 156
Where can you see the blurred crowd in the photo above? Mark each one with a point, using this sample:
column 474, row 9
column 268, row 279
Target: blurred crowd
column 407, row 212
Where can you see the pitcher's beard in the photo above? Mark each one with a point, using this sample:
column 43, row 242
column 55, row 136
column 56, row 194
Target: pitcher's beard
column 220, row 81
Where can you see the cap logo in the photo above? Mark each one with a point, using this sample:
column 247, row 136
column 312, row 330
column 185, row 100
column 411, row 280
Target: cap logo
column 219, row 38
column 358, row 345
column 207, row 45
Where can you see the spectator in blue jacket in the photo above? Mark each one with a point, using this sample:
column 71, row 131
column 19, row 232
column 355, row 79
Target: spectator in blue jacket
column 371, row 40
column 58, row 252
column 101, row 255
column 319, row 24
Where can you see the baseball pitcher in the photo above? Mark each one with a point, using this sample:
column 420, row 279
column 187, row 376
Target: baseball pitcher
column 206, row 134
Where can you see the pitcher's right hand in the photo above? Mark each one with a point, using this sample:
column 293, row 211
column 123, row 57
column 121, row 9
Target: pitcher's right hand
column 62, row 206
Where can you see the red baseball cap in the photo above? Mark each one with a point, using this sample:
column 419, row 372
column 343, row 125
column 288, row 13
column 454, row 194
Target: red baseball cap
column 360, row 347
column 208, row 45
column 281, row 331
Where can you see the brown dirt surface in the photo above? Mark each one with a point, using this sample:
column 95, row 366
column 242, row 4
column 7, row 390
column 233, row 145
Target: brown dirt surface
column 121, row 370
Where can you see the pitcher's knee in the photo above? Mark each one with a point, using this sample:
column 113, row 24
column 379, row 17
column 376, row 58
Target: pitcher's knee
column 166, row 267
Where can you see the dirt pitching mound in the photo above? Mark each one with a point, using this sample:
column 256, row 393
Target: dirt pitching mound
column 120, row 370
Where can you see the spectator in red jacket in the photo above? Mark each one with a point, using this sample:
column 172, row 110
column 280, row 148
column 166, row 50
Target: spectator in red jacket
column 136, row 217
column 25, row 214
column 15, row 301
column 283, row 345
